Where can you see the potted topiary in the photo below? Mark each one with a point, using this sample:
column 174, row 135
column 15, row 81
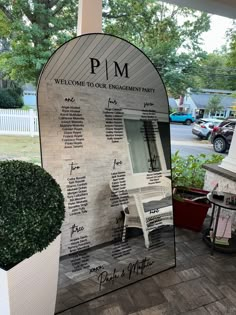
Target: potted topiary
column 189, row 199
column 31, row 213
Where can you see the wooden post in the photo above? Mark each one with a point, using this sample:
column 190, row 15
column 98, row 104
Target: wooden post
column 89, row 17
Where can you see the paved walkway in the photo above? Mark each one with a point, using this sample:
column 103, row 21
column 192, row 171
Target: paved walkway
column 200, row 284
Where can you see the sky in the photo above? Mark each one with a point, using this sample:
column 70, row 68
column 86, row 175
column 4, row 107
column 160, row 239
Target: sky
column 215, row 38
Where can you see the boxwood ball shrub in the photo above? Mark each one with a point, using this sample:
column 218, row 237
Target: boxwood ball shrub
column 31, row 211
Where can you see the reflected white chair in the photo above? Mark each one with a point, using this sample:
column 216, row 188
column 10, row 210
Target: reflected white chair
column 149, row 206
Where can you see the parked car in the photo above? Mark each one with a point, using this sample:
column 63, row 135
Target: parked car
column 222, row 135
column 181, row 117
column 203, row 127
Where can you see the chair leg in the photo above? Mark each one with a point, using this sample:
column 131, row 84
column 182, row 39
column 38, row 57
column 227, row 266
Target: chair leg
column 124, row 232
column 146, row 239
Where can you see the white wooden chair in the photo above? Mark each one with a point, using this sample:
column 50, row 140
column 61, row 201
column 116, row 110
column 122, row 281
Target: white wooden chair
column 149, row 206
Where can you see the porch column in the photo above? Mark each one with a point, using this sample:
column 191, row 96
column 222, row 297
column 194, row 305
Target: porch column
column 229, row 162
column 89, row 17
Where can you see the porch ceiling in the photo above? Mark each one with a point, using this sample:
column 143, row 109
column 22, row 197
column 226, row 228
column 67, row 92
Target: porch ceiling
column 225, row 8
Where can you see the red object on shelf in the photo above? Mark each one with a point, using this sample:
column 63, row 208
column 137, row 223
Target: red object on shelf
column 190, row 214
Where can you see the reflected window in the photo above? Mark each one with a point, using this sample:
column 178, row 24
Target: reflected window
column 142, row 143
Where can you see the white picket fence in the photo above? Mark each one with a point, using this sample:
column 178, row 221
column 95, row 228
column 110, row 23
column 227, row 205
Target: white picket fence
column 19, row 122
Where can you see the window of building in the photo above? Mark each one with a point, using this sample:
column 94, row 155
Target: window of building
column 144, row 146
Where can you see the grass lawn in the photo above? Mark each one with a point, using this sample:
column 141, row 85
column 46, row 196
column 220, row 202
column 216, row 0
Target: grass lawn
column 20, row 148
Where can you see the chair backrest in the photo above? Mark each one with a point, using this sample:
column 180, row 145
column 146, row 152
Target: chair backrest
column 143, row 183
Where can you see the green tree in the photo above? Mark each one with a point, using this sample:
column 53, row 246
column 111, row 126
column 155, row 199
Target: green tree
column 232, row 43
column 231, row 60
column 170, row 36
column 4, row 33
column 214, row 105
column 37, row 28
column 214, row 72
column 164, row 32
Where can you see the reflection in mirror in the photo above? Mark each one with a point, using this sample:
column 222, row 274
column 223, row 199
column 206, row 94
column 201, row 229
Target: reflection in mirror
column 105, row 138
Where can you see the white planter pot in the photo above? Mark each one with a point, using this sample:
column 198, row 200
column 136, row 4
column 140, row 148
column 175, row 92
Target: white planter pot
column 30, row 288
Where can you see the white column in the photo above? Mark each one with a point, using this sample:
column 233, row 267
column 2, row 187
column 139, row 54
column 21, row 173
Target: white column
column 229, row 162
column 89, row 17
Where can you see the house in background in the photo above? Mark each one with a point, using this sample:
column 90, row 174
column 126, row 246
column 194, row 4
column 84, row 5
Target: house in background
column 196, row 101
column 29, row 95
column 173, row 104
